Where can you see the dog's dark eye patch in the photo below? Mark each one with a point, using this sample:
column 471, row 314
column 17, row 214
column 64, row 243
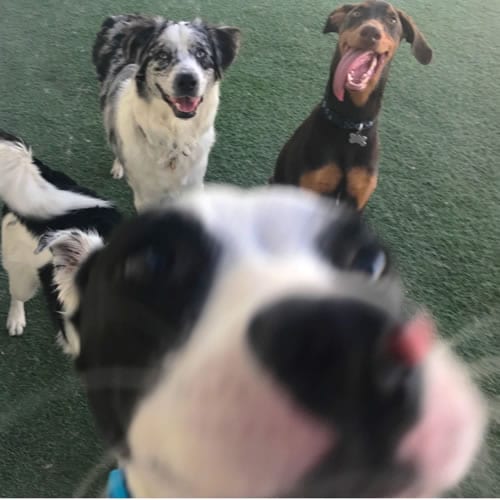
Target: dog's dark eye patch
column 380, row 11
column 392, row 24
column 142, row 295
column 349, row 245
column 391, row 18
column 163, row 57
column 201, row 49
column 167, row 259
column 356, row 17
column 146, row 266
column 201, row 53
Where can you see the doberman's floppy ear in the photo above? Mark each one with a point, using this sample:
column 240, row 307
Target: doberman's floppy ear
column 226, row 44
column 336, row 18
column 419, row 46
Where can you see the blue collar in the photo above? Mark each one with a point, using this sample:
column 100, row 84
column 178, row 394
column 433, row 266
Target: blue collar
column 117, row 485
column 338, row 121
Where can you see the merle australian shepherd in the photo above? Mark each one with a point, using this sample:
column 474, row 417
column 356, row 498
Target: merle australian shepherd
column 159, row 96
column 241, row 343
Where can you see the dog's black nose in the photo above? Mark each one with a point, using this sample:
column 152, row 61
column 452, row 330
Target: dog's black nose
column 371, row 33
column 186, row 83
column 334, row 357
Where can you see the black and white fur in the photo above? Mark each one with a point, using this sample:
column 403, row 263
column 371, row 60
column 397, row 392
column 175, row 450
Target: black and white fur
column 39, row 200
column 242, row 344
column 159, row 97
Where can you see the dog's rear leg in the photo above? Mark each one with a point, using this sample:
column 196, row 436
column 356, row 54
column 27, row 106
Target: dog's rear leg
column 117, row 170
column 21, row 264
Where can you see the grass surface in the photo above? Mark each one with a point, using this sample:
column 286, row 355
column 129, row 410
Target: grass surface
column 437, row 204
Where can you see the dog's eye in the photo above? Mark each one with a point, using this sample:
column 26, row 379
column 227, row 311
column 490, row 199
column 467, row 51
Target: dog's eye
column 350, row 246
column 163, row 57
column 145, row 266
column 370, row 260
column 356, row 13
column 393, row 19
column 175, row 252
column 200, row 53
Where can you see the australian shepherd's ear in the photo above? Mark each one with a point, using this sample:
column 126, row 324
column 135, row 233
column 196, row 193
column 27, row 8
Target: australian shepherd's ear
column 226, row 45
column 135, row 36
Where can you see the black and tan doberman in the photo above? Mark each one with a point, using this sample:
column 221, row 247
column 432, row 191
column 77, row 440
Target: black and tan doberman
column 335, row 150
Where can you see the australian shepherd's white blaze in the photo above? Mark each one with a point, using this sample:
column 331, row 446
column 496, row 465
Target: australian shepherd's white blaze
column 159, row 96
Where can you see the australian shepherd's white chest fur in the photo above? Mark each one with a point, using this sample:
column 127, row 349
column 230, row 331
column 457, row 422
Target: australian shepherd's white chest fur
column 160, row 95
column 164, row 155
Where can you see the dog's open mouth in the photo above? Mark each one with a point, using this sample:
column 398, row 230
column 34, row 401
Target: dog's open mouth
column 355, row 70
column 184, row 106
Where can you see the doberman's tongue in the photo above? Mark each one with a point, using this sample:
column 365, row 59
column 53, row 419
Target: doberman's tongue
column 360, row 65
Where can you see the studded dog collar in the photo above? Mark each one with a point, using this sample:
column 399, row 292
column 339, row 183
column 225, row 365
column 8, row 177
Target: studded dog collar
column 354, row 137
column 340, row 122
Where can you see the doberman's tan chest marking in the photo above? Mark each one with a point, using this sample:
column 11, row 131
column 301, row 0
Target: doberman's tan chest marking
column 360, row 183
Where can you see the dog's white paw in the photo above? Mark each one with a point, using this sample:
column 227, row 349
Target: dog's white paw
column 117, row 170
column 16, row 320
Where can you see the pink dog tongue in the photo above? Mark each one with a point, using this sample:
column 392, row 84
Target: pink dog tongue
column 186, row 104
column 353, row 60
column 412, row 344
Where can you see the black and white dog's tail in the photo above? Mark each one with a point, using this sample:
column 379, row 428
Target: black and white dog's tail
column 26, row 192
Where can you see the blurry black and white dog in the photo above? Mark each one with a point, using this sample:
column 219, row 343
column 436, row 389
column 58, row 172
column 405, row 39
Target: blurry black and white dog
column 252, row 344
column 39, row 200
column 159, row 96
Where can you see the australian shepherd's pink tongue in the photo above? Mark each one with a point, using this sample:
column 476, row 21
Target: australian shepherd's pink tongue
column 354, row 71
column 186, row 104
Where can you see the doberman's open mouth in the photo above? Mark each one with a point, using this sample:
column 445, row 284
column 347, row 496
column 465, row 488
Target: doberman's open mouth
column 184, row 106
column 355, row 70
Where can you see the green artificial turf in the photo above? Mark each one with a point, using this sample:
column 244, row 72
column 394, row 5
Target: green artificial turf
column 437, row 204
